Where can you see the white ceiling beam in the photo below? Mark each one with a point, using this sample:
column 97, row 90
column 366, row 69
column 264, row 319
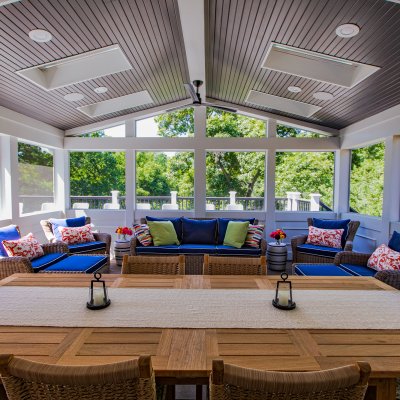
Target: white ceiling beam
column 192, row 21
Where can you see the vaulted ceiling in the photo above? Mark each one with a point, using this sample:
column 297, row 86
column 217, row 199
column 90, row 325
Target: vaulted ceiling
column 238, row 34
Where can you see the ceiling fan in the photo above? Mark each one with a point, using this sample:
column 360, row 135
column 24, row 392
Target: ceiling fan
column 193, row 90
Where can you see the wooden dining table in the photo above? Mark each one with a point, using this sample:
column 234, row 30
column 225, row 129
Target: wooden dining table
column 184, row 356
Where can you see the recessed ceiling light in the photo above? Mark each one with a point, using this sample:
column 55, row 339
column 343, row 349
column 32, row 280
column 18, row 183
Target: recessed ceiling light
column 100, row 89
column 294, row 89
column 347, row 30
column 323, row 96
column 74, row 96
column 40, row 35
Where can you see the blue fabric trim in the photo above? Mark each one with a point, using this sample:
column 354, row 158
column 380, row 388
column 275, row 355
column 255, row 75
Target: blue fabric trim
column 394, row 242
column 47, row 260
column 86, row 247
column 223, row 226
column 197, row 249
column 199, row 231
column 176, row 222
column 320, row 270
column 76, row 222
column 322, row 251
column 9, row 232
column 172, row 249
column 244, row 251
column 334, row 224
column 84, row 264
column 358, row 270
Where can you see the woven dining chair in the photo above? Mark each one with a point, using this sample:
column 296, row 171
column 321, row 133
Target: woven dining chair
column 216, row 265
column 230, row 382
column 127, row 380
column 161, row 265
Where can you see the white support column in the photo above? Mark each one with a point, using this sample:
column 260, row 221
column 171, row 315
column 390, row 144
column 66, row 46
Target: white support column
column 271, row 128
column 315, row 199
column 61, row 175
column 130, row 128
column 200, row 163
column 130, row 186
column 342, row 182
column 391, row 187
column 7, row 191
column 14, row 178
column 269, row 197
column 67, row 180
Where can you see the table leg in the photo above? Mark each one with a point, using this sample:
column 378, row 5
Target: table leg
column 382, row 389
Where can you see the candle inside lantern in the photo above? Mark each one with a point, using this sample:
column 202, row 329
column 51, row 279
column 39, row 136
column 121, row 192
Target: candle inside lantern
column 284, row 297
column 98, row 297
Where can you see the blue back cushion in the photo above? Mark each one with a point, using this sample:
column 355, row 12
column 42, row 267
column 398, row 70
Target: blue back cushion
column 9, row 232
column 333, row 224
column 223, row 226
column 198, row 231
column 394, row 242
column 71, row 222
column 176, row 222
column 76, row 222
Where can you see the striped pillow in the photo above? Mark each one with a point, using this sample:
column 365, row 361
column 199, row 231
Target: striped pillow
column 254, row 235
column 142, row 233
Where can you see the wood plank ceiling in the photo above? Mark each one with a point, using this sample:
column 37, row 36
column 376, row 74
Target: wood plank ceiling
column 238, row 34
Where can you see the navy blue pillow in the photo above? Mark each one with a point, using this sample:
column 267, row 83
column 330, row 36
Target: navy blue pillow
column 223, row 225
column 76, row 222
column 334, row 224
column 176, row 222
column 394, row 242
column 198, row 231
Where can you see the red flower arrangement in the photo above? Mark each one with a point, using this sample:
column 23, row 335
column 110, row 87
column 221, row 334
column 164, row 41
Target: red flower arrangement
column 123, row 230
column 278, row 235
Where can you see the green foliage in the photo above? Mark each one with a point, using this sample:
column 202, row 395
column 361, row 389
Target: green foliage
column 34, row 155
column 366, row 179
column 177, row 123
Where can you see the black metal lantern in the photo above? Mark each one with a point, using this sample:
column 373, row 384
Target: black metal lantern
column 98, row 296
column 283, row 296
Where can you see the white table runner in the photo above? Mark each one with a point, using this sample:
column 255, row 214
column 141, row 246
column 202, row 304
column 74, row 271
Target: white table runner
column 198, row 308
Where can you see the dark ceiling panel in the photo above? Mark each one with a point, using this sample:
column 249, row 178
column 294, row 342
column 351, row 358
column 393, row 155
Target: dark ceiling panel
column 148, row 32
column 239, row 33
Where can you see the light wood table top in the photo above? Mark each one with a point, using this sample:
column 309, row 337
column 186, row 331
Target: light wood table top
column 184, row 355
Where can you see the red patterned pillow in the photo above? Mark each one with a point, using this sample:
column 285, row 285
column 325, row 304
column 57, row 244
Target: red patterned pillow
column 254, row 235
column 142, row 233
column 384, row 258
column 325, row 237
column 27, row 246
column 81, row 234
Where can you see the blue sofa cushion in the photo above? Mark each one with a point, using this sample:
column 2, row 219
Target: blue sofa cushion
column 86, row 247
column 243, row 251
column 79, row 264
column 176, row 222
column 394, row 242
column 322, row 251
column 71, row 222
column 334, row 224
column 76, row 222
column 358, row 270
column 170, row 249
column 47, row 260
column 320, row 270
column 198, row 231
column 223, row 226
column 9, row 232
column 197, row 249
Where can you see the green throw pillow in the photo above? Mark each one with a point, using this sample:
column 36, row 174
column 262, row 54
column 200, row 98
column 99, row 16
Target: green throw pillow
column 236, row 234
column 163, row 233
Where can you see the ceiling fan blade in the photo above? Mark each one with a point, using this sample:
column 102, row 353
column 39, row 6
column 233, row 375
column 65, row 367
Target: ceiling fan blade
column 227, row 109
column 190, row 89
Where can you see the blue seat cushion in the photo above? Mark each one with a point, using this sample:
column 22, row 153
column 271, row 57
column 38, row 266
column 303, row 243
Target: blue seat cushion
column 170, row 249
column 233, row 251
column 320, row 270
column 79, row 264
column 315, row 250
column 176, row 222
column 394, row 242
column 86, row 247
column 9, row 232
column 47, row 260
column 223, row 226
column 358, row 270
column 197, row 249
column 199, row 231
column 334, row 224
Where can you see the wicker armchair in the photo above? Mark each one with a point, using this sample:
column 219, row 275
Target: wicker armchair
column 100, row 237
column 217, row 265
column 161, row 265
column 299, row 257
column 232, row 382
column 14, row 265
column 24, row 379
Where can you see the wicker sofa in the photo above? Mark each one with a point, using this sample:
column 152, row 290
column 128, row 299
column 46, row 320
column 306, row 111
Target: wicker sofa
column 194, row 253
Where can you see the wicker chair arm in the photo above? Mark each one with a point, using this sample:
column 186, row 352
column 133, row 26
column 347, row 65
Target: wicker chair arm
column 391, row 278
column 350, row 257
column 103, row 237
column 134, row 243
column 297, row 240
column 263, row 247
column 14, row 265
column 56, row 247
column 348, row 246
